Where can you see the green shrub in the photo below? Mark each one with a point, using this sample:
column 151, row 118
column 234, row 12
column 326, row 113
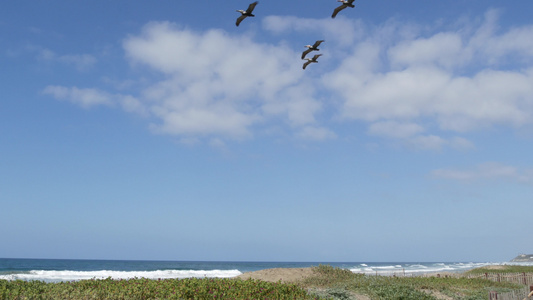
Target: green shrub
column 502, row 270
column 387, row 287
column 327, row 282
column 191, row 288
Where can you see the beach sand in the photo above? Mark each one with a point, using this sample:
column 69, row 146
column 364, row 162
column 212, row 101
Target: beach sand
column 293, row 275
column 286, row 275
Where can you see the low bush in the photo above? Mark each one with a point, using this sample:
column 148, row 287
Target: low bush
column 191, row 288
column 502, row 269
column 405, row 288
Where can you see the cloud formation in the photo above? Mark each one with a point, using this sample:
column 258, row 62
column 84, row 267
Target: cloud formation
column 408, row 83
column 85, row 98
column 218, row 84
column 88, row 98
column 487, row 171
column 81, row 62
column 440, row 77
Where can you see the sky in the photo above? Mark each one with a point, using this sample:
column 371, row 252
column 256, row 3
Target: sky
column 161, row 131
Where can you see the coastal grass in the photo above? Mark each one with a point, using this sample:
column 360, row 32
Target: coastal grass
column 327, row 278
column 327, row 282
column 141, row 288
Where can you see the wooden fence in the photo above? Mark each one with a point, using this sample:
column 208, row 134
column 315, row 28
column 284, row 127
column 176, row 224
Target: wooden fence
column 520, row 278
column 514, row 295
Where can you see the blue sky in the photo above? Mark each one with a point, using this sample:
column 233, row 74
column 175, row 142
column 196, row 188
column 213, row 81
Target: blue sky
column 160, row 130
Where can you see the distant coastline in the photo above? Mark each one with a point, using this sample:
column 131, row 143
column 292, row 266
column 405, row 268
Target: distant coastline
column 523, row 258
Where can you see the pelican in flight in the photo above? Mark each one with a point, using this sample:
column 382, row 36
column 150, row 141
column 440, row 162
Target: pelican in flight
column 311, row 60
column 246, row 13
column 314, row 47
column 345, row 3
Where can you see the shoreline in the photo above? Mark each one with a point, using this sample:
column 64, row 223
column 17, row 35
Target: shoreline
column 291, row 275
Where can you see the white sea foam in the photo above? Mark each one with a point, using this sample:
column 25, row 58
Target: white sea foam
column 54, row 276
column 385, row 267
column 418, row 268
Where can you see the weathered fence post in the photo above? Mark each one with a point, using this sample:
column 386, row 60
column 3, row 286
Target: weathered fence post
column 493, row 295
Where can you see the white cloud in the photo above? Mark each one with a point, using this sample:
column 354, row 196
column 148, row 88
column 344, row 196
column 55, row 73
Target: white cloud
column 394, row 129
column 411, row 135
column 443, row 49
column 81, row 62
column 417, row 86
column 203, row 120
column 496, row 48
column 215, row 85
column 452, row 77
column 460, row 143
column 485, row 171
column 316, row 133
column 85, row 98
column 427, row 142
column 327, row 27
column 88, row 98
column 132, row 105
column 219, row 84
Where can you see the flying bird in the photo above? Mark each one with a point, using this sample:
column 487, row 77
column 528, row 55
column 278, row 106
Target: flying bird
column 314, row 47
column 311, row 60
column 246, row 13
column 345, row 3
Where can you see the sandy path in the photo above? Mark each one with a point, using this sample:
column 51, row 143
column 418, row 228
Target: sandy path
column 286, row 275
column 292, row 275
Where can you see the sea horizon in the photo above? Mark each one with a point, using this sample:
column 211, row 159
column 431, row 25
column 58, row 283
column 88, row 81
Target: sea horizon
column 54, row 270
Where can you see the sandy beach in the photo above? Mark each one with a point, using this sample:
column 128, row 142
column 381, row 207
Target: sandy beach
column 286, row 275
column 291, row 275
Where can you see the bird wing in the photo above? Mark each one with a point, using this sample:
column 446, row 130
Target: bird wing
column 316, row 56
column 306, row 52
column 350, row 1
column 336, row 11
column 306, row 64
column 239, row 19
column 317, row 43
column 251, row 7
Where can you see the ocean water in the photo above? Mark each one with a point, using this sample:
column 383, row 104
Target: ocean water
column 54, row 270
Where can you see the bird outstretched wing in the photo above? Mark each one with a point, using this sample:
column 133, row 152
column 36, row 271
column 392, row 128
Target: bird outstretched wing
column 251, row 7
column 316, row 56
column 239, row 19
column 306, row 64
column 336, row 11
column 317, row 43
column 306, row 52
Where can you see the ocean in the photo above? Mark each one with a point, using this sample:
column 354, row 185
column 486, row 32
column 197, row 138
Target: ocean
column 54, row 270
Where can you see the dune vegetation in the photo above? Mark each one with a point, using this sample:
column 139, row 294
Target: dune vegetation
column 338, row 283
column 326, row 282
column 190, row 288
